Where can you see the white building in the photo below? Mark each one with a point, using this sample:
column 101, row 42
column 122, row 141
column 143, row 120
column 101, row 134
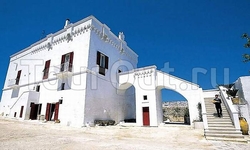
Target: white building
column 71, row 75
column 84, row 73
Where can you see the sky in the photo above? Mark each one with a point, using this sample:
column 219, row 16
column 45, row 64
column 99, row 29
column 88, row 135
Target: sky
column 199, row 41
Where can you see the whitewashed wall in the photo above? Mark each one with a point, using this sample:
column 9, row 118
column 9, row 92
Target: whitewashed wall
column 242, row 84
column 103, row 101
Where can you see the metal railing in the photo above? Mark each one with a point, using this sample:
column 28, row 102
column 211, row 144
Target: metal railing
column 65, row 67
column 13, row 82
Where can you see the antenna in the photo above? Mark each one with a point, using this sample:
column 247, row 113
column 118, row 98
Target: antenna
column 42, row 35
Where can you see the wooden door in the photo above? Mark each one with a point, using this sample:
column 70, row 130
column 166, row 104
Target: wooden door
column 56, row 111
column 146, row 119
column 21, row 112
column 47, row 114
column 33, row 111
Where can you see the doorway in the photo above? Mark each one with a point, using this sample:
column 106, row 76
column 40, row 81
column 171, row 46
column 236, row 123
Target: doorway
column 52, row 111
column 35, row 110
column 146, row 119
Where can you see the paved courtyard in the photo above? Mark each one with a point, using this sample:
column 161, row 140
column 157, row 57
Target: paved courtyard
column 16, row 134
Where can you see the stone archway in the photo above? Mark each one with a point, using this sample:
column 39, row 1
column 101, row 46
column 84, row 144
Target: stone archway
column 147, row 82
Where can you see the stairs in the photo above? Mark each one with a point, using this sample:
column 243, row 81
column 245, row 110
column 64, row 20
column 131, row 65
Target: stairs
column 220, row 129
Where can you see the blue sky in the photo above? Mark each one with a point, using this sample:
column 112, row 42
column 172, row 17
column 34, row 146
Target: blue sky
column 187, row 35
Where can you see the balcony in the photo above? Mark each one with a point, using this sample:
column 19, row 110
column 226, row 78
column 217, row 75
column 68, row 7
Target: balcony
column 13, row 82
column 64, row 69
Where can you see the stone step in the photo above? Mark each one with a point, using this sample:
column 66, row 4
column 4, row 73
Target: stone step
column 220, row 122
column 227, row 139
column 221, row 129
column 224, row 132
column 224, row 135
column 214, row 115
column 221, row 125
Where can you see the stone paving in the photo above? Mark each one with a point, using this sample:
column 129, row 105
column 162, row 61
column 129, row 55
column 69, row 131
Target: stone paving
column 29, row 134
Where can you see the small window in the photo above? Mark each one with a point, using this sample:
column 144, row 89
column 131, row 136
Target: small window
column 67, row 62
column 38, row 88
column 62, row 86
column 15, row 92
column 102, row 60
column 18, row 77
column 145, row 97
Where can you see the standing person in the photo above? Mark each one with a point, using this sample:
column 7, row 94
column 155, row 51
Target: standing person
column 217, row 102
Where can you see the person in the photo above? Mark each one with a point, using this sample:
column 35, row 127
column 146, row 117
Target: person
column 217, row 102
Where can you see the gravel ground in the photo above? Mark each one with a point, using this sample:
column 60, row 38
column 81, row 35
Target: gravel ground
column 28, row 134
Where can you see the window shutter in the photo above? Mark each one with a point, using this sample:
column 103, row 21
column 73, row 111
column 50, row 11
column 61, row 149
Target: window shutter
column 62, row 63
column 71, row 61
column 106, row 62
column 98, row 58
column 46, row 69
column 63, row 59
column 18, row 77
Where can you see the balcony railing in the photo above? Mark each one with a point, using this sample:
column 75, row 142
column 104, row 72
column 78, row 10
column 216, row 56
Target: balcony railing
column 63, row 68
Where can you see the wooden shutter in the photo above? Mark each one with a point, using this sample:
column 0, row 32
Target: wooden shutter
column 46, row 69
column 62, row 59
column 71, row 61
column 62, row 63
column 106, row 62
column 98, row 58
column 56, row 111
column 21, row 112
column 18, row 77
column 47, row 111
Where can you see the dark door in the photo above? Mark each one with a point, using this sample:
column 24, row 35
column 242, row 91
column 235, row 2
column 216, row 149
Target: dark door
column 146, row 120
column 47, row 112
column 56, row 111
column 33, row 111
column 21, row 112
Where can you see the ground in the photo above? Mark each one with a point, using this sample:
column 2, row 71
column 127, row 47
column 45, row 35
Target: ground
column 26, row 135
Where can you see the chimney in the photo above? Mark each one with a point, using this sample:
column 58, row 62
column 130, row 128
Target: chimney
column 67, row 22
column 121, row 36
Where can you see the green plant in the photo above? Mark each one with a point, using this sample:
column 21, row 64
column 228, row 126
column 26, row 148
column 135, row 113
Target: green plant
column 200, row 111
column 247, row 45
column 186, row 112
column 232, row 92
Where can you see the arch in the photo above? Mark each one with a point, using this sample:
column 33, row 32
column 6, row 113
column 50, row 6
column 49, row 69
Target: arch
column 174, row 109
column 148, row 82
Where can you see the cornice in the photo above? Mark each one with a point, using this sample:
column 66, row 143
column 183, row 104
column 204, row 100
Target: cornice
column 117, row 43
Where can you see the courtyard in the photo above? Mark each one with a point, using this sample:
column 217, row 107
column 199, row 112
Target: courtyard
column 29, row 134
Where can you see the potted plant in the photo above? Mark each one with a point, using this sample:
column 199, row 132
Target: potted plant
column 243, row 122
column 232, row 93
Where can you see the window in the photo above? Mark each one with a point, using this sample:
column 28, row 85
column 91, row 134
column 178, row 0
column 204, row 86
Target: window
column 46, row 69
column 67, row 62
column 15, row 92
column 39, row 109
column 62, row 86
column 18, row 77
column 38, row 88
column 145, row 97
column 102, row 60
